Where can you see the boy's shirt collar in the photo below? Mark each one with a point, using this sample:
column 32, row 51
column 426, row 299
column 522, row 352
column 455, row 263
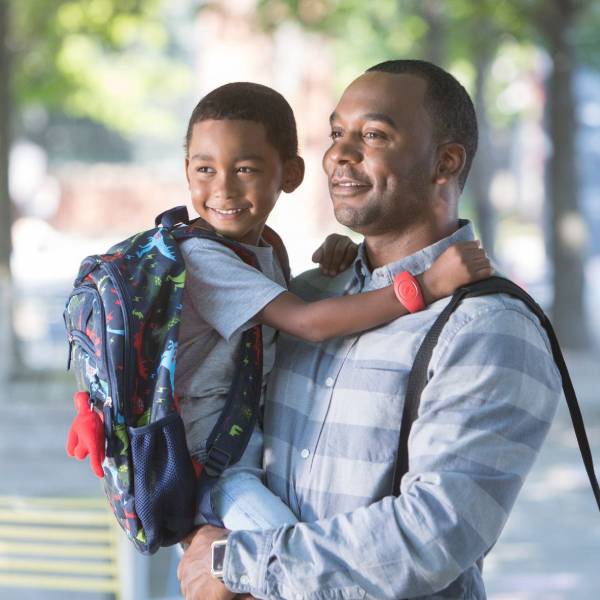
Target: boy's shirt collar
column 365, row 279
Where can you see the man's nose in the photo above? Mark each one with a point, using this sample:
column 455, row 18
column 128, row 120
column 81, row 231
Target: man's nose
column 341, row 152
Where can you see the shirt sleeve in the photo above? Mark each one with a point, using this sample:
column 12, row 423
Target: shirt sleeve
column 488, row 405
column 224, row 290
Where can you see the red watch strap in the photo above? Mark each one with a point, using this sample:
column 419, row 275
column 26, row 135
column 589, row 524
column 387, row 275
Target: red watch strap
column 408, row 291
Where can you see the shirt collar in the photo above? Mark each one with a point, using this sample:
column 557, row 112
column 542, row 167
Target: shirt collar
column 415, row 263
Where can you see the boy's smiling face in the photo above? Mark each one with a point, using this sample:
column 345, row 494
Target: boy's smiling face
column 235, row 176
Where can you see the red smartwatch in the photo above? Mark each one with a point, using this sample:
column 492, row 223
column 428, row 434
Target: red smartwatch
column 408, row 291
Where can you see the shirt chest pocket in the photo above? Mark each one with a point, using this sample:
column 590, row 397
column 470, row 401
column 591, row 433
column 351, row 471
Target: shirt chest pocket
column 364, row 415
column 371, row 382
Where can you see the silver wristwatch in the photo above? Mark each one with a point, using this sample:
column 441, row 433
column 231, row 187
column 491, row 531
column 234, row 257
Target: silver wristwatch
column 218, row 558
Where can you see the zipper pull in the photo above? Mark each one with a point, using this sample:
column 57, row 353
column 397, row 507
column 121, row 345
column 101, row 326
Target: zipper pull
column 107, row 413
column 70, row 352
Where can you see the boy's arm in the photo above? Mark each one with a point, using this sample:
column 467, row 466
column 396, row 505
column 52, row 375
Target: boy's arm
column 317, row 321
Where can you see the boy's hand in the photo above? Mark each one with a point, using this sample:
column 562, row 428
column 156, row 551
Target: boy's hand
column 461, row 263
column 335, row 254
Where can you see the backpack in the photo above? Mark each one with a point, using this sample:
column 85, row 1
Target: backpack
column 122, row 321
column 417, row 379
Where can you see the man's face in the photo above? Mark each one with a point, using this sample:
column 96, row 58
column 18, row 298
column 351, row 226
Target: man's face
column 381, row 159
column 234, row 175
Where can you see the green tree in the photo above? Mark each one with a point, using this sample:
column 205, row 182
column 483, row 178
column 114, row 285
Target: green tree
column 100, row 59
column 462, row 32
column 557, row 22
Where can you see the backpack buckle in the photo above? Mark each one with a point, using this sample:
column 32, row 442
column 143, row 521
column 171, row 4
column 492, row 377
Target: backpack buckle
column 217, row 461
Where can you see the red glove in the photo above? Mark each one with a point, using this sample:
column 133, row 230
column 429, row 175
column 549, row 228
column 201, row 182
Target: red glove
column 86, row 435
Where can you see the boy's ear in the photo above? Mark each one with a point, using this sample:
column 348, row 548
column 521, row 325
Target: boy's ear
column 450, row 162
column 186, row 164
column 293, row 174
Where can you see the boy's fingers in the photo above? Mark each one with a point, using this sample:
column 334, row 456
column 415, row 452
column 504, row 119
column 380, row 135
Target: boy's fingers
column 473, row 250
column 330, row 258
column 339, row 256
column 468, row 244
column 488, row 270
column 351, row 252
column 483, row 273
column 317, row 254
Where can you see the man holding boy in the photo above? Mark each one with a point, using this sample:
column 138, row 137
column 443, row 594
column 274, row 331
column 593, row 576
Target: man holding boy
column 403, row 138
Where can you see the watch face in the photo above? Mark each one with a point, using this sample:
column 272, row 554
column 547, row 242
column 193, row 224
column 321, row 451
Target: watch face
column 218, row 557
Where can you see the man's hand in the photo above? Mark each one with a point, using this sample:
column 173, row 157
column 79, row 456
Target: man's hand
column 193, row 571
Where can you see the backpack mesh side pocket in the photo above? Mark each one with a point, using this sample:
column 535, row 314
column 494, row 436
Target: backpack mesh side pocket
column 164, row 481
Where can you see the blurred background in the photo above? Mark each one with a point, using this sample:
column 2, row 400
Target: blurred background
column 94, row 101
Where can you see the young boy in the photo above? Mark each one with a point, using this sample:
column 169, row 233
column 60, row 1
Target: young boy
column 241, row 152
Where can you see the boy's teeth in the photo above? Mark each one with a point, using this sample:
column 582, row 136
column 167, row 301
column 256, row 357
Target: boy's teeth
column 230, row 211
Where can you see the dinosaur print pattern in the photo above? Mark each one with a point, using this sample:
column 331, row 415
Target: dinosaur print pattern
column 122, row 320
column 157, row 240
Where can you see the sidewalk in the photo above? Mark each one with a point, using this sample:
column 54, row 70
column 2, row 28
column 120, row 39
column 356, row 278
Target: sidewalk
column 34, row 420
column 549, row 549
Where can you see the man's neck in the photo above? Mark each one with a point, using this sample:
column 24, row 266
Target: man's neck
column 393, row 246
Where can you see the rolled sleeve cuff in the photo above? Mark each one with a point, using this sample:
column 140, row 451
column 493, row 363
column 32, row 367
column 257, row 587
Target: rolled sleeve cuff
column 246, row 561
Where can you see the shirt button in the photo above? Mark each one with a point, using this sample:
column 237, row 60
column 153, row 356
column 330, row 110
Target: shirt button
column 244, row 580
column 329, row 382
column 305, row 453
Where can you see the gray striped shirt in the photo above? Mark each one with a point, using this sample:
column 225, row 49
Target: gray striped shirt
column 331, row 434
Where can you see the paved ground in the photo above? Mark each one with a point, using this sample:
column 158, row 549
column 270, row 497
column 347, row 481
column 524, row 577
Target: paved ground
column 550, row 548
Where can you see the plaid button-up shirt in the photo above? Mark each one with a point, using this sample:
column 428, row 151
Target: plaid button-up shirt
column 331, row 434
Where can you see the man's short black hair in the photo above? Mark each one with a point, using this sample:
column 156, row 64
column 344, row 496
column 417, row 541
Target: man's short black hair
column 447, row 103
column 247, row 101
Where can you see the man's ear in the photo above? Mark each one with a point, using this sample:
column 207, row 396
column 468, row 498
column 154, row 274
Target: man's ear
column 293, row 174
column 450, row 162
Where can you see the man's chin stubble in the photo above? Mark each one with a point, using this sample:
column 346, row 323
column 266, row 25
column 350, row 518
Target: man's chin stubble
column 355, row 219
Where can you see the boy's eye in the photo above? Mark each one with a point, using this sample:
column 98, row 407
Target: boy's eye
column 246, row 170
column 204, row 169
column 335, row 134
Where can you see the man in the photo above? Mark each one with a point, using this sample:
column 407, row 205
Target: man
column 403, row 138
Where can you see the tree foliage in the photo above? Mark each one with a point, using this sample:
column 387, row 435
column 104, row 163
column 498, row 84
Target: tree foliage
column 466, row 37
column 101, row 59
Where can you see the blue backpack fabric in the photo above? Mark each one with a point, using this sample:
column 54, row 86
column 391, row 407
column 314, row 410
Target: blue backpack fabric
column 122, row 321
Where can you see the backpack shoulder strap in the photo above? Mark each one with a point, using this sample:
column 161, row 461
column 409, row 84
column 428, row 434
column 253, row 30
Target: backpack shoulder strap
column 173, row 216
column 417, row 379
column 272, row 238
column 233, row 429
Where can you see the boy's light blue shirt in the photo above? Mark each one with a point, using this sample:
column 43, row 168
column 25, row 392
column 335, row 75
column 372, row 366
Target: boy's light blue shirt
column 331, row 433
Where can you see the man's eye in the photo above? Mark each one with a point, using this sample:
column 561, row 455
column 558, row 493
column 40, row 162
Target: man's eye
column 204, row 170
column 373, row 135
column 335, row 134
column 246, row 170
